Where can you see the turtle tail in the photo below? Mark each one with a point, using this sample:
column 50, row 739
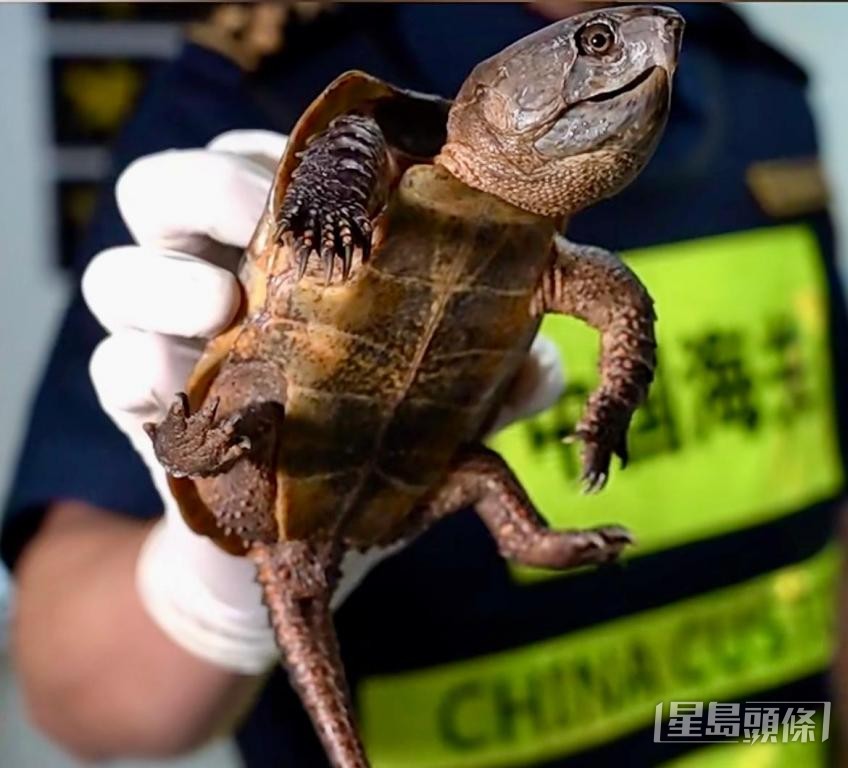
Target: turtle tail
column 297, row 582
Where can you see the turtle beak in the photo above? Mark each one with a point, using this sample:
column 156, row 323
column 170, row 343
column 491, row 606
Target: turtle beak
column 675, row 25
column 671, row 25
column 660, row 30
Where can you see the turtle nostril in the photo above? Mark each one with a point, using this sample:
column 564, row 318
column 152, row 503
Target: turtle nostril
column 676, row 24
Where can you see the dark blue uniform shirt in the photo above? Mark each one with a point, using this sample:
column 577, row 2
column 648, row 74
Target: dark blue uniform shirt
column 449, row 596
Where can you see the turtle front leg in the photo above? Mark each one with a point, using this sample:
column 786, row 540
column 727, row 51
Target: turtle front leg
column 207, row 443
column 341, row 183
column 481, row 478
column 597, row 287
column 196, row 444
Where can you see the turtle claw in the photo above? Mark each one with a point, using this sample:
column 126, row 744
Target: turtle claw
column 598, row 449
column 593, row 482
column 603, row 544
column 328, row 257
column 347, row 261
column 194, row 444
column 283, row 225
column 302, row 261
column 341, row 229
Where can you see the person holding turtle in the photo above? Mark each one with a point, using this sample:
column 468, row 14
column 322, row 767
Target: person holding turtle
column 159, row 639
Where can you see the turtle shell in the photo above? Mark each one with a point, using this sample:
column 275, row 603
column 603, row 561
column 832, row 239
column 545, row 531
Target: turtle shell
column 389, row 373
column 415, row 127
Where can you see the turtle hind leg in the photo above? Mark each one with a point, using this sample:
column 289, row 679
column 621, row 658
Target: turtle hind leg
column 482, row 478
column 297, row 581
column 196, row 444
column 340, row 184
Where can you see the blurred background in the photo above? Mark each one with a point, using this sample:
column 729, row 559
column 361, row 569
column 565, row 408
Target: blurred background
column 70, row 74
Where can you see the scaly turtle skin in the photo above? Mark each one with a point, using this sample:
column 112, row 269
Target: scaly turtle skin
column 408, row 252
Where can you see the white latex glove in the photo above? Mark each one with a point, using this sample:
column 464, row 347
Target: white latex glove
column 191, row 213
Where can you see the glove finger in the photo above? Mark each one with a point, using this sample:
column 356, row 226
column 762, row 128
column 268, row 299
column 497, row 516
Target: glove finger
column 543, row 376
column 159, row 291
column 136, row 375
column 262, row 147
column 181, row 199
column 538, row 385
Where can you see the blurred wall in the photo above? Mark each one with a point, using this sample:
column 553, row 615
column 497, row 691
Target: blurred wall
column 32, row 297
column 32, row 294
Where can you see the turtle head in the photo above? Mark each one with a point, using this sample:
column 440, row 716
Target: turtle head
column 568, row 115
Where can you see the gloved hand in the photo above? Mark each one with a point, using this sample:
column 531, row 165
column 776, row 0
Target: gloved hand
column 191, row 213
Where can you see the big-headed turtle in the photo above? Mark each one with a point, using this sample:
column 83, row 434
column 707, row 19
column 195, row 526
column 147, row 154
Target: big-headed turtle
column 408, row 251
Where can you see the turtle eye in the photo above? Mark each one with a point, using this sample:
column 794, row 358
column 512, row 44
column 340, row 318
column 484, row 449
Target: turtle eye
column 596, row 38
